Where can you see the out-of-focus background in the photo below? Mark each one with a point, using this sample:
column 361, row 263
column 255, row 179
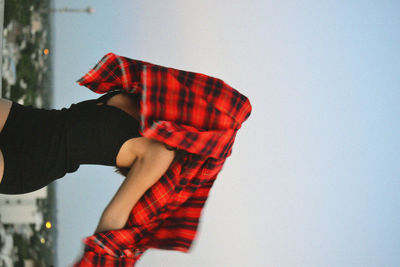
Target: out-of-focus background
column 313, row 179
column 27, row 222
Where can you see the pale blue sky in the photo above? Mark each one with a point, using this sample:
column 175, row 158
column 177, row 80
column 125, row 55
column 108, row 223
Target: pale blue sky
column 313, row 179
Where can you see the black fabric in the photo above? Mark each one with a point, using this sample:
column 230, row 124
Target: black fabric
column 40, row 145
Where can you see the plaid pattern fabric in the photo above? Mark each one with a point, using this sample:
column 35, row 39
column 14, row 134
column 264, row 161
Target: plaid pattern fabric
column 190, row 111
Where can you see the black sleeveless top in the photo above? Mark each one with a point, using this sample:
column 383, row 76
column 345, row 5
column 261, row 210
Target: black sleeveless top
column 96, row 132
column 57, row 141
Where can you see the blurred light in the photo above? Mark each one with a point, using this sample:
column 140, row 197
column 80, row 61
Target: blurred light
column 48, row 225
column 46, row 51
column 90, row 10
column 42, row 240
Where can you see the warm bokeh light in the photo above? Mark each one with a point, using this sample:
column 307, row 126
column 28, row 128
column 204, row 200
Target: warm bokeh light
column 42, row 240
column 46, row 51
column 48, row 225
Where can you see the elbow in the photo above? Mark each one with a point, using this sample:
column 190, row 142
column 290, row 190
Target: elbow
column 110, row 221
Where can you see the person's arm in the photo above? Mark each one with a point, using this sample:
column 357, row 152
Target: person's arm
column 145, row 172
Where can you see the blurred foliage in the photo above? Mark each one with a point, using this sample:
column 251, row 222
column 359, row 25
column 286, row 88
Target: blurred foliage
column 28, row 86
column 21, row 9
column 16, row 9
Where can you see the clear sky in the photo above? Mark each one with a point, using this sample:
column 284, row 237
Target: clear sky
column 314, row 177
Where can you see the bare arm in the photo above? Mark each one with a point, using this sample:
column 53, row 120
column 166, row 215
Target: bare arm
column 145, row 172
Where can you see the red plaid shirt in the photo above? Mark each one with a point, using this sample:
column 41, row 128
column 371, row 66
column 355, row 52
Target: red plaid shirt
column 190, row 111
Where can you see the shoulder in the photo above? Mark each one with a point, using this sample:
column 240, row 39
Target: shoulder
column 123, row 98
column 127, row 102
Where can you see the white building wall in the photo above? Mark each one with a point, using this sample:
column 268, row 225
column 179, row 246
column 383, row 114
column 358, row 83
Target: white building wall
column 22, row 209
